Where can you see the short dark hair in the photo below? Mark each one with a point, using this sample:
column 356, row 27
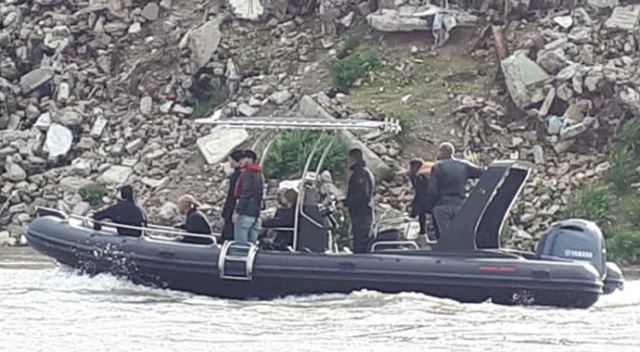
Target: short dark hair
column 416, row 163
column 250, row 154
column 356, row 153
column 126, row 192
column 236, row 155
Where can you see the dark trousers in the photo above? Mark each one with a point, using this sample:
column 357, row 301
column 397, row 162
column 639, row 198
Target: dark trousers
column 227, row 231
column 361, row 227
column 443, row 217
column 422, row 218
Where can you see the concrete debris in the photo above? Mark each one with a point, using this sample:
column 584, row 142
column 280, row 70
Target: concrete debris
column 525, row 79
column 59, row 141
column 247, row 9
column 203, row 42
column 116, row 175
column 220, row 142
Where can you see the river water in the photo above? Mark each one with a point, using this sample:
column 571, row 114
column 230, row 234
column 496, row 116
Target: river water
column 47, row 308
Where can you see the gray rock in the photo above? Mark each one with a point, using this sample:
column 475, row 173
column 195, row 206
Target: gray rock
column 248, row 10
column 220, row 142
column 8, row 69
column 81, row 167
column 32, row 112
column 602, row 4
column 59, row 141
column 81, row 208
column 184, row 110
column 146, row 105
column 552, row 61
column 524, row 79
column 18, row 208
column 155, row 183
column 64, row 91
column 564, row 92
column 169, row 211
column 134, row 146
column 538, row 154
column 247, row 110
column 68, row 117
column 203, row 42
column 151, row 11
column 623, row 18
column 35, row 79
column 44, row 122
column 116, row 175
column 98, row 127
column 73, row 184
column 280, row 97
column 5, row 239
column 135, row 28
column 16, row 173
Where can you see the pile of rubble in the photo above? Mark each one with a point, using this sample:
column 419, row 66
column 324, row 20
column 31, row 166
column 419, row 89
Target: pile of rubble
column 104, row 91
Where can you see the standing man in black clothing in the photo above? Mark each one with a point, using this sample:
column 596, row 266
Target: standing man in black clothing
column 230, row 202
column 420, row 206
column 359, row 201
column 125, row 212
column 447, row 186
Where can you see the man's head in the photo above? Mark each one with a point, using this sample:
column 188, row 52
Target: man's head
column 415, row 165
column 248, row 157
column 446, row 150
column 355, row 157
column 186, row 203
column 235, row 157
column 126, row 192
column 290, row 197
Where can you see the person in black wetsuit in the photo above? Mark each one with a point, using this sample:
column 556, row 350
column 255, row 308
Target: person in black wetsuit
column 230, row 201
column 196, row 221
column 284, row 218
column 125, row 212
column 419, row 177
column 359, row 201
column 447, row 186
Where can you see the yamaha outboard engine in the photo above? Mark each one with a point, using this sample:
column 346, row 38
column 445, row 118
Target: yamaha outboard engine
column 581, row 240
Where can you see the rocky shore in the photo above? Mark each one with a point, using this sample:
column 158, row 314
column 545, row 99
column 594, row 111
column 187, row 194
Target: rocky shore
column 103, row 92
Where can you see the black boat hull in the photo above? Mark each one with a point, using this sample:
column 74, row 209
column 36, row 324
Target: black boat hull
column 502, row 277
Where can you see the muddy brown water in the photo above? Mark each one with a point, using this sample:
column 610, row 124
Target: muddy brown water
column 47, row 308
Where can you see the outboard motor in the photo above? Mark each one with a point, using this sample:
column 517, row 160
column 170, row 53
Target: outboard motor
column 581, row 240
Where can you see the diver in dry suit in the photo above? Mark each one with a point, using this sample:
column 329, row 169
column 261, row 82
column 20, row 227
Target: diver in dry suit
column 447, row 186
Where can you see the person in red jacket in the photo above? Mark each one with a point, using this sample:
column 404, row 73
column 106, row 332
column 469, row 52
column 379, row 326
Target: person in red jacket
column 249, row 192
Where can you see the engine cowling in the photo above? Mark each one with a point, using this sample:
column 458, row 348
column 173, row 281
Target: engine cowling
column 575, row 239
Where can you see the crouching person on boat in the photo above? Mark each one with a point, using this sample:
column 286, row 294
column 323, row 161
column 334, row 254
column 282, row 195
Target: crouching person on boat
column 449, row 177
column 125, row 212
column 359, row 201
column 196, row 221
column 249, row 191
column 283, row 220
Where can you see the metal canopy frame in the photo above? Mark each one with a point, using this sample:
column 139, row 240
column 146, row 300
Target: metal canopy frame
column 303, row 123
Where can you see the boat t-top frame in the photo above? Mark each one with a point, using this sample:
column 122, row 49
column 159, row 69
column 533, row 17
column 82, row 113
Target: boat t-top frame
column 308, row 188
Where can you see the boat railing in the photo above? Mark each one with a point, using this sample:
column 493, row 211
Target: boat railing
column 156, row 233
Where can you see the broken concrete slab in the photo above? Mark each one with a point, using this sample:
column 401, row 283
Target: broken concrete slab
column 247, row 9
column 418, row 18
column 116, row 175
column 98, row 127
column 35, row 79
column 203, row 42
column 73, row 184
column 623, row 18
column 525, row 79
column 310, row 108
column 220, row 142
column 59, row 140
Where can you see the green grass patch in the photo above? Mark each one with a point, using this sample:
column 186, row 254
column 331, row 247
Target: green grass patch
column 93, row 193
column 288, row 154
column 348, row 70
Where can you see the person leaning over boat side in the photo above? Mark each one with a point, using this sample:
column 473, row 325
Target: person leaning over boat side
column 196, row 221
column 284, row 218
column 449, row 176
column 125, row 212
column 230, row 201
column 419, row 177
column 249, row 191
column 359, row 201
